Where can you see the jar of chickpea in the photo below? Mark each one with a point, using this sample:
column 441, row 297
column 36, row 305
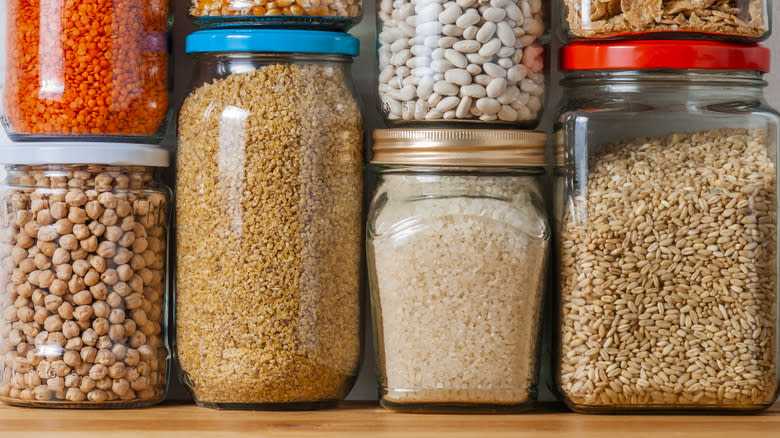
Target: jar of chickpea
column 83, row 239
column 311, row 14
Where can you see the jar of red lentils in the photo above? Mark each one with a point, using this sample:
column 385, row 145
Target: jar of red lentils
column 83, row 240
column 311, row 14
column 86, row 70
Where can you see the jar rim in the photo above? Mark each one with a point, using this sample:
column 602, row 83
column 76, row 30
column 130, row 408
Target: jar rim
column 110, row 154
column 675, row 55
column 459, row 147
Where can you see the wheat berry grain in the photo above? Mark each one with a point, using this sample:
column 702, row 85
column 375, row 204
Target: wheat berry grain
column 669, row 275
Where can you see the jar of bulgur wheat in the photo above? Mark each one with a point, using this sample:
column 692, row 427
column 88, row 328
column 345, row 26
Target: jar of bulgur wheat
column 269, row 220
column 457, row 249
column 83, row 277
column 667, row 229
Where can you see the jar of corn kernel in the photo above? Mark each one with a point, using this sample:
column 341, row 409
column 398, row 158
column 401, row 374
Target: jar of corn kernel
column 305, row 14
column 666, row 228
column 95, row 71
column 83, row 239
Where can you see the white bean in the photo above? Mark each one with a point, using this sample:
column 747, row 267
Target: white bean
column 457, row 76
column 473, row 90
column 445, row 88
column 496, row 87
column 448, row 103
column 505, row 34
column 456, row 58
column 494, row 14
column 488, row 105
column 487, row 31
column 467, row 46
column 490, row 48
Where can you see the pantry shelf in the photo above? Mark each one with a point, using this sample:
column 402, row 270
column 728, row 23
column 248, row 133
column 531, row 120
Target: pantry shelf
column 367, row 419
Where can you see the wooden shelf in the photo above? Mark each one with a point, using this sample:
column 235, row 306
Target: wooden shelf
column 368, row 420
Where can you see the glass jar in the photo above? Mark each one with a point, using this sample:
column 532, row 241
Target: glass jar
column 457, row 243
column 668, row 229
column 337, row 15
column 83, row 304
column 269, row 220
column 737, row 20
column 465, row 61
column 86, row 71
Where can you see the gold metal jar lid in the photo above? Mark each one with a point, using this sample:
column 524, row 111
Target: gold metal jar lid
column 459, row 147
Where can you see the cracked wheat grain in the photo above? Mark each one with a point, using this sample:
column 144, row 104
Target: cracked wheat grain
column 668, row 275
column 269, row 236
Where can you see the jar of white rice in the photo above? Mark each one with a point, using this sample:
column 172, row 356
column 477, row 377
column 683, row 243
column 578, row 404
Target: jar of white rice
column 457, row 250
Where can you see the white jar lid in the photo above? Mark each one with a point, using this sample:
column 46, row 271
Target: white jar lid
column 114, row 154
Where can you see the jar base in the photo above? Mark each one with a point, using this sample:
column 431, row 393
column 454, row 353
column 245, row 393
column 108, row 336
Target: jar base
column 424, row 407
column 119, row 404
column 292, row 406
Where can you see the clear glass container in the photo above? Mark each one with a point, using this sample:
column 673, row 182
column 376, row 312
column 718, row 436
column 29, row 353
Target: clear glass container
column 736, row 20
column 667, row 239
column 86, row 71
column 269, row 226
column 457, row 242
column 337, row 15
column 83, row 310
column 468, row 61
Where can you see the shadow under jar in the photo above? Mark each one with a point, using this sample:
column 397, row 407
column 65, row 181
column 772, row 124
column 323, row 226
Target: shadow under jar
column 83, row 304
column 464, row 61
column 457, row 243
column 86, row 70
column 268, row 220
column 667, row 229
column 734, row 20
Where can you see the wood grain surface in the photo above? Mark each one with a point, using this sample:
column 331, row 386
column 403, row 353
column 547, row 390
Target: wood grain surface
column 368, row 420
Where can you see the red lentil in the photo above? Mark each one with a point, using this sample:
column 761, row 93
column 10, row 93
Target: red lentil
column 86, row 68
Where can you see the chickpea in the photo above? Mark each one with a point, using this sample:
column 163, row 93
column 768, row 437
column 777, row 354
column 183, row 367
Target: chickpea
column 66, row 311
column 83, row 313
column 80, row 267
column 76, row 198
column 114, row 299
column 82, row 298
column 77, row 215
column 98, row 371
column 71, row 330
column 59, row 210
column 52, row 302
column 98, row 263
column 116, row 332
column 97, row 395
column 99, row 291
column 87, row 384
column 79, row 254
column 89, row 336
column 104, row 343
column 90, row 244
column 105, row 383
column 75, row 395
column 94, row 209
column 120, row 386
column 74, row 343
column 81, row 231
column 105, row 357
column 110, row 277
column 61, row 255
column 91, row 278
column 42, row 262
column 101, row 308
column 113, row 233
column 101, row 326
column 64, row 272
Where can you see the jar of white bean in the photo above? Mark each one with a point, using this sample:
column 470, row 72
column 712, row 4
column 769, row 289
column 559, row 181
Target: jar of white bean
column 477, row 61
column 83, row 239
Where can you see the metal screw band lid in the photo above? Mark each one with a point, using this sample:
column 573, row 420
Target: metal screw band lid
column 459, row 147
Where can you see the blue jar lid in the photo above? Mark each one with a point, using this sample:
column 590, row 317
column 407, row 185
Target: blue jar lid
column 272, row 41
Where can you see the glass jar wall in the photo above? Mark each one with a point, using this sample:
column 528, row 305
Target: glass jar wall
column 667, row 229
column 744, row 21
column 83, row 304
column 457, row 248
column 464, row 61
column 86, row 71
column 268, row 220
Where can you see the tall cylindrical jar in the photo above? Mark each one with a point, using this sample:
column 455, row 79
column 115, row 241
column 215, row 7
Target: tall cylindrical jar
column 668, row 229
column 457, row 243
column 464, row 61
column 734, row 20
column 83, row 304
column 86, row 70
column 268, row 220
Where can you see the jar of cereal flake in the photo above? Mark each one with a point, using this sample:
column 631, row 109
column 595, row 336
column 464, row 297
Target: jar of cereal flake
column 269, row 220
column 463, row 62
column 735, row 20
column 94, row 71
column 457, row 242
column 667, row 230
column 83, row 240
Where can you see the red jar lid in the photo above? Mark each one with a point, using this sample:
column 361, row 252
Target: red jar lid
column 677, row 55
